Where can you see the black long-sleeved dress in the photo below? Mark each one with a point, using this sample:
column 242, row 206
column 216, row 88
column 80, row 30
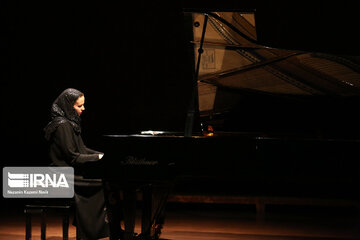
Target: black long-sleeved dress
column 68, row 149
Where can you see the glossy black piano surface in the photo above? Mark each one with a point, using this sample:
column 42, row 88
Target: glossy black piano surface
column 238, row 163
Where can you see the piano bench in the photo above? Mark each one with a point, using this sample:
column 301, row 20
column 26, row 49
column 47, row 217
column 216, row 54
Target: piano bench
column 29, row 210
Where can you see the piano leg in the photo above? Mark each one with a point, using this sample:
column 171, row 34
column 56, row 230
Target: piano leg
column 153, row 213
column 114, row 211
column 147, row 211
column 121, row 205
column 129, row 212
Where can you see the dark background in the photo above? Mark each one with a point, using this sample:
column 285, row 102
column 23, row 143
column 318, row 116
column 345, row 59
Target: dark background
column 132, row 62
column 134, row 65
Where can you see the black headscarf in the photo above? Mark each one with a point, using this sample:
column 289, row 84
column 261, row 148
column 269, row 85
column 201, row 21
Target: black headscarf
column 62, row 110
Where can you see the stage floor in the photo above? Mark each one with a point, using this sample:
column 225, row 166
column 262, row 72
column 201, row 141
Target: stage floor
column 218, row 222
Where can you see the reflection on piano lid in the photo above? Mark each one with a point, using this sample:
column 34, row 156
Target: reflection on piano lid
column 151, row 132
column 245, row 86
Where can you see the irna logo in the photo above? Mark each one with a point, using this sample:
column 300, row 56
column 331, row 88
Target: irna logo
column 38, row 182
column 22, row 180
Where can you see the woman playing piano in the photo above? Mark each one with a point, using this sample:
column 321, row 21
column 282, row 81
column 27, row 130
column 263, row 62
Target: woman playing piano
column 66, row 148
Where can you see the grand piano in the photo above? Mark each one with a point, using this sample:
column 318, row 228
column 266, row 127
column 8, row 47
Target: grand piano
column 261, row 121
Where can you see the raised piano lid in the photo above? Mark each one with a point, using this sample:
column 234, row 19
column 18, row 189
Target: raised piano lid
column 244, row 86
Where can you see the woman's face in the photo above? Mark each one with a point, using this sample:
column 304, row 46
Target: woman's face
column 79, row 105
